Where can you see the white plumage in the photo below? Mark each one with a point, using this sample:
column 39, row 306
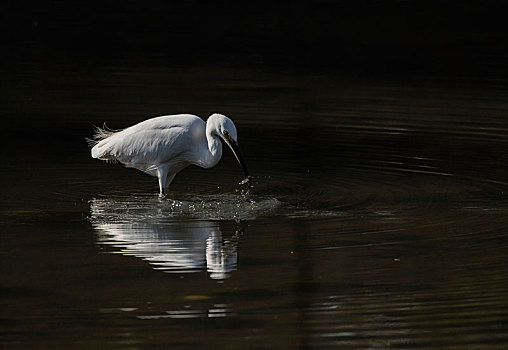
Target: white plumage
column 163, row 146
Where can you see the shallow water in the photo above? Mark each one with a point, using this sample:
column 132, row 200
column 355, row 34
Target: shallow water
column 378, row 216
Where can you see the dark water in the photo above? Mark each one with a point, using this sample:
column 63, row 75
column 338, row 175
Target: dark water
column 378, row 217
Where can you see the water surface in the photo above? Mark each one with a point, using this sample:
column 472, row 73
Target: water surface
column 377, row 217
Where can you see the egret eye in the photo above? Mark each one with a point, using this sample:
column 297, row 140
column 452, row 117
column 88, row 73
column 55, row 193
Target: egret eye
column 226, row 133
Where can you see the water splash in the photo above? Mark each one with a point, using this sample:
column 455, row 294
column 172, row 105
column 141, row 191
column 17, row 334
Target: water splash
column 205, row 207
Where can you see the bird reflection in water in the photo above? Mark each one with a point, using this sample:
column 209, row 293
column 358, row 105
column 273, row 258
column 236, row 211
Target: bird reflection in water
column 173, row 246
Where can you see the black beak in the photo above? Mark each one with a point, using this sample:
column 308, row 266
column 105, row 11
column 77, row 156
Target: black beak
column 236, row 151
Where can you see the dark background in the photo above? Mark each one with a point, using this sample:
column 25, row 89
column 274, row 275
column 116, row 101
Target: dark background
column 359, row 37
column 69, row 65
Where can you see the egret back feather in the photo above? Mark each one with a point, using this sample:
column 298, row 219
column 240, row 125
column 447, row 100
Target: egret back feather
column 100, row 134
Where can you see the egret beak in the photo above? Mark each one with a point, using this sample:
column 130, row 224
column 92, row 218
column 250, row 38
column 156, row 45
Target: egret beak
column 238, row 155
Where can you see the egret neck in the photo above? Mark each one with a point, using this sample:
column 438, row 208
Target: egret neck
column 211, row 156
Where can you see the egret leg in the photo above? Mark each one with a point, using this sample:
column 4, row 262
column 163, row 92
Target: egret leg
column 162, row 174
column 161, row 188
column 165, row 184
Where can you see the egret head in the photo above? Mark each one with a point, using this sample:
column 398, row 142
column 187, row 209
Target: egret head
column 223, row 127
column 226, row 130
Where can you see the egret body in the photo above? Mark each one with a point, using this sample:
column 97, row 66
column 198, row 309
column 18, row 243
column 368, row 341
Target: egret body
column 163, row 146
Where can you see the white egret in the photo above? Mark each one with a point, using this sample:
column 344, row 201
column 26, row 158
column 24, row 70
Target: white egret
column 163, row 146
